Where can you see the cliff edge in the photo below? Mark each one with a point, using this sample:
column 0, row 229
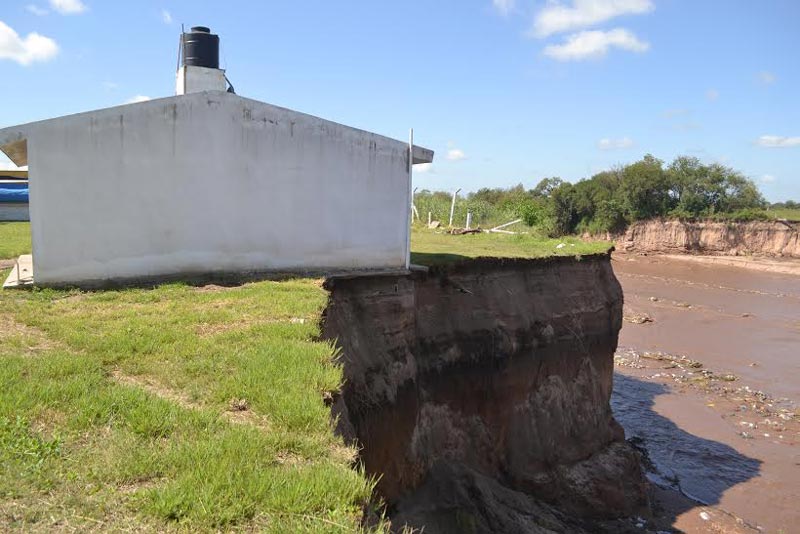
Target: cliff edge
column 767, row 238
column 479, row 394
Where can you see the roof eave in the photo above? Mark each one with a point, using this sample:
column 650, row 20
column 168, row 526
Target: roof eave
column 14, row 144
column 422, row 155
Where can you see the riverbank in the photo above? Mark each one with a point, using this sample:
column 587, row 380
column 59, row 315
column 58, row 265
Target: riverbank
column 672, row 236
column 706, row 383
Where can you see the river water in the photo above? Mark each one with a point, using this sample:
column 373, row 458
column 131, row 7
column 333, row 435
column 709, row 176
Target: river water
column 731, row 442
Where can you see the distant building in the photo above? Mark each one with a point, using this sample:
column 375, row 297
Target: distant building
column 14, row 195
column 208, row 181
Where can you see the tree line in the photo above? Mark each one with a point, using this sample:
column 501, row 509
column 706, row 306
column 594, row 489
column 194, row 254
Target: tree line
column 686, row 188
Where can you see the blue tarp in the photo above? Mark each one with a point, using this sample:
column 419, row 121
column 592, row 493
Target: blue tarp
column 10, row 192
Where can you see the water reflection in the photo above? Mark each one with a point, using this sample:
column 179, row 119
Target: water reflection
column 702, row 469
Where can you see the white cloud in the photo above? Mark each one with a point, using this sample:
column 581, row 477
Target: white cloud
column 767, row 179
column 166, row 16
column 557, row 18
column 137, row 99
column 595, row 45
column 110, row 86
column 33, row 47
column 68, row 7
column 681, row 119
column 456, row 154
column 776, row 141
column 712, row 95
column 504, row 7
column 36, row 10
column 423, row 168
column 687, row 126
column 614, row 144
column 676, row 112
column 766, row 77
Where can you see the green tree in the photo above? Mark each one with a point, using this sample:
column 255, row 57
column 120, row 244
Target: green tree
column 564, row 215
column 645, row 190
column 609, row 217
column 740, row 193
column 546, row 186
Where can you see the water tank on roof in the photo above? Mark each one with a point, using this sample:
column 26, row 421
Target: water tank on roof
column 200, row 48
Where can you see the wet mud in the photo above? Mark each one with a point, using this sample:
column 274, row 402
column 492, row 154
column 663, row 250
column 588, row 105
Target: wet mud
column 707, row 386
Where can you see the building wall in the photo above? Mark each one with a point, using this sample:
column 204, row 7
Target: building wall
column 211, row 182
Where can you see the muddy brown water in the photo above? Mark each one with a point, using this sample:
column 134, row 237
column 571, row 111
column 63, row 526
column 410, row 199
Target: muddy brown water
column 717, row 449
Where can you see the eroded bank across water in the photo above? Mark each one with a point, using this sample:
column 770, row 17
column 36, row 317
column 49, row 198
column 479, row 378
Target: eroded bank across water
column 766, row 238
column 479, row 393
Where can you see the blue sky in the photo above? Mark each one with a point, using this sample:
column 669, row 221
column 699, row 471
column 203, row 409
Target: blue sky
column 505, row 91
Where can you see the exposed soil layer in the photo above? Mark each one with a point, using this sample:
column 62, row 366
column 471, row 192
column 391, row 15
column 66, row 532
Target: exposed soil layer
column 771, row 238
column 479, row 393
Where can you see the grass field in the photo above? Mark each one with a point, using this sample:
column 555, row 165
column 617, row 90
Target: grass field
column 184, row 408
column 15, row 239
column 790, row 214
column 431, row 247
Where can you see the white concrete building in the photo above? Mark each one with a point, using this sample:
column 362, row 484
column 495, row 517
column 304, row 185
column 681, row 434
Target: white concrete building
column 210, row 182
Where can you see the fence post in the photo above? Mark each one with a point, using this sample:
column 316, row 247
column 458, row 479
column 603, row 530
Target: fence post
column 410, row 197
column 453, row 206
column 413, row 205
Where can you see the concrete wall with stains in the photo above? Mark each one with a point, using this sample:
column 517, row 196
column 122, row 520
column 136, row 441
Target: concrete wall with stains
column 211, row 182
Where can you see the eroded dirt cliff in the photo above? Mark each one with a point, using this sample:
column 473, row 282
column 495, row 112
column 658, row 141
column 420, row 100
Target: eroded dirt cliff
column 770, row 238
column 479, row 393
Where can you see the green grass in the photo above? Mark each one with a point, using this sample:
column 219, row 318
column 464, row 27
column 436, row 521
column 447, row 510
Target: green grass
column 15, row 239
column 116, row 412
column 785, row 213
column 433, row 247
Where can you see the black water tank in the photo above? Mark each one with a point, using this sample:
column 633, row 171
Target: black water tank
column 201, row 48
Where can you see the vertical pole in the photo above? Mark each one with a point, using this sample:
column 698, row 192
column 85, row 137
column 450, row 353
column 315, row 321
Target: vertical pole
column 453, row 207
column 178, row 72
column 469, row 219
column 409, row 198
column 429, row 219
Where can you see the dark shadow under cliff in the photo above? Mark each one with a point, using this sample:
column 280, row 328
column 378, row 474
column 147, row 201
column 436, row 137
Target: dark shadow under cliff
column 701, row 469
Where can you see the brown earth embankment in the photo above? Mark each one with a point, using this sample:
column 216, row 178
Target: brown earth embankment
column 479, row 394
column 759, row 238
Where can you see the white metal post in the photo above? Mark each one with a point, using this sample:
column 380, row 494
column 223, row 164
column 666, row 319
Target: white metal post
column 453, row 206
column 469, row 219
column 410, row 197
